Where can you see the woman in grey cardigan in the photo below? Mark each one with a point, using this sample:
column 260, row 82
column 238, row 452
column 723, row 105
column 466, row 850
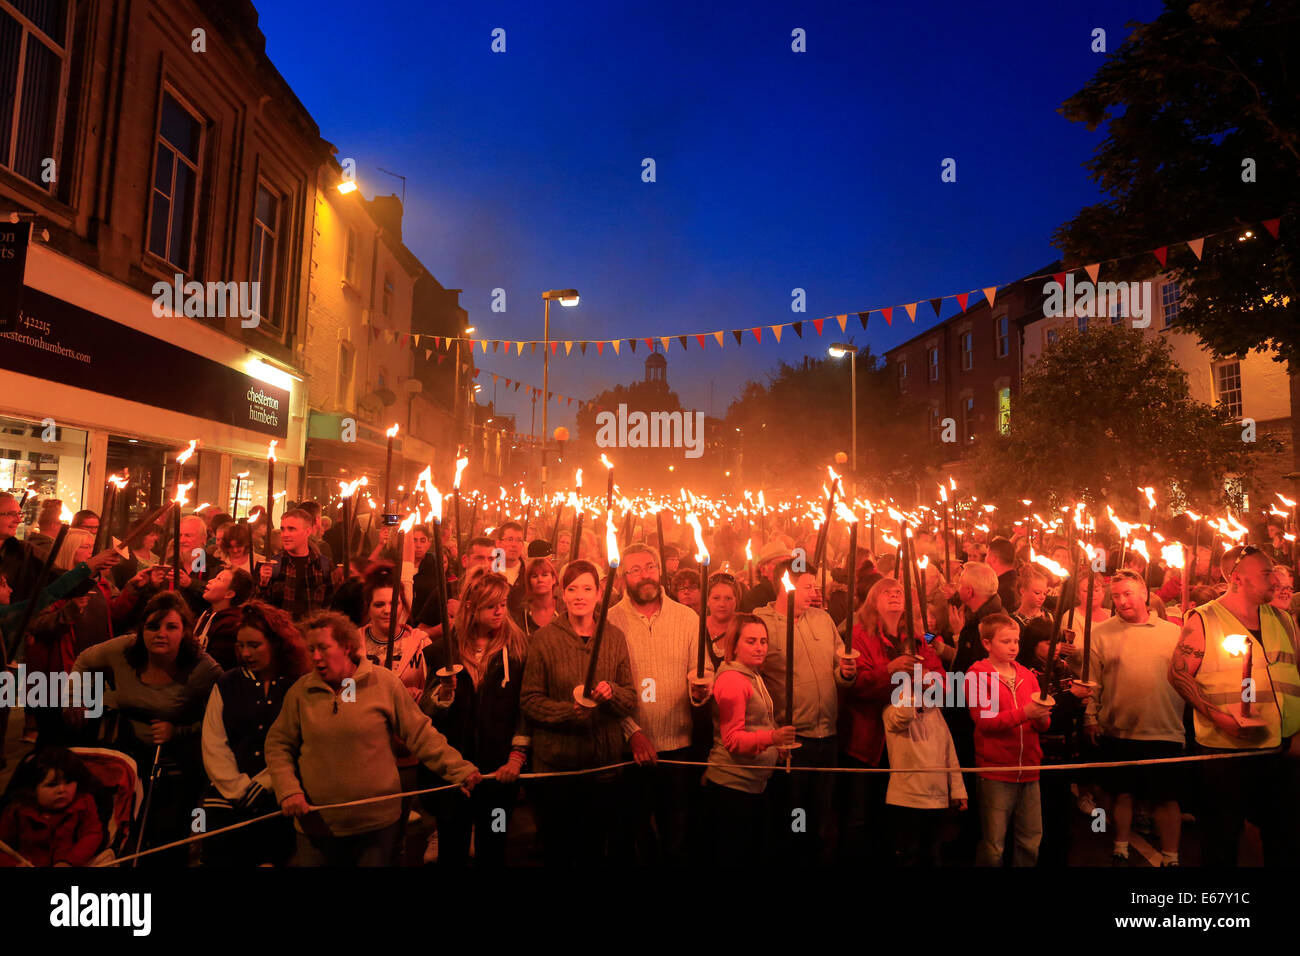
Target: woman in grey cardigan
column 576, row 813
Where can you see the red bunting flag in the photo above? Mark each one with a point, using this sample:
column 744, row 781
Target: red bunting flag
column 1272, row 225
column 817, row 324
column 700, row 339
column 1161, row 254
column 554, row 347
column 758, row 334
column 600, row 348
column 962, row 297
column 888, row 314
column 1059, row 279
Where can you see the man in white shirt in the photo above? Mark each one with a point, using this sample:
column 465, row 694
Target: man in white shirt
column 662, row 641
column 510, row 539
column 1136, row 714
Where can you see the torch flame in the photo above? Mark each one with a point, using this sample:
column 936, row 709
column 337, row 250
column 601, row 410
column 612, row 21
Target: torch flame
column 943, row 493
column 1046, row 562
column 1151, row 496
column 460, row 467
column 119, row 482
column 844, row 514
column 749, row 550
column 786, row 582
column 66, row 516
column 605, row 461
column 1173, row 555
column 392, row 432
column 242, row 474
column 270, row 450
column 1195, row 516
column 435, row 500
column 1286, row 501
column 895, row 515
column 1236, row 644
column 701, row 552
column 889, row 539
column 923, row 562
column 406, row 526
column 952, row 482
column 611, row 541
column 180, row 498
column 1139, row 546
column 579, row 479
column 185, row 456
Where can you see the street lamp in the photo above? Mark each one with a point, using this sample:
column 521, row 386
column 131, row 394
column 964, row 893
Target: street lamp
column 839, row 350
column 459, row 395
column 567, row 298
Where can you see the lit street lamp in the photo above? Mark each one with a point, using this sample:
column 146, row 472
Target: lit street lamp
column 839, row 351
column 567, row 298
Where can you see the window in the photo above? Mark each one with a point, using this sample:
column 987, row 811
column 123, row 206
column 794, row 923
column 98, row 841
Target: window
column 902, row 375
column 1004, row 410
column 387, row 304
column 173, row 208
column 1004, row 337
column 266, row 230
column 347, row 360
column 968, row 420
column 33, row 61
column 1051, row 336
column 1118, row 306
column 936, row 424
column 967, row 352
column 1227, row 386
column 1082, row 323
column 934, row 365
column 350, row 257
column 1169, row 302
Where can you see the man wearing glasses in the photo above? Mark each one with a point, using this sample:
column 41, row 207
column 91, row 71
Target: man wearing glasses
column 1203, row 670
column 12, row 550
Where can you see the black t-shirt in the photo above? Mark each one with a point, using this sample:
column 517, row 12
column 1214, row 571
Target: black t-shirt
column 301, row 596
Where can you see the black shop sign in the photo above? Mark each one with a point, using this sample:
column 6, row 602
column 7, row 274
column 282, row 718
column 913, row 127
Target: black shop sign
column 58, row 341
column 14, row 238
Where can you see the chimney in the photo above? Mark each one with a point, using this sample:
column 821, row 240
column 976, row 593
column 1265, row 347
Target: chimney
column 387, row 211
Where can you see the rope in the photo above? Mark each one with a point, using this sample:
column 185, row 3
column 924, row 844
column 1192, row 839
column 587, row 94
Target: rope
column 1196, row 758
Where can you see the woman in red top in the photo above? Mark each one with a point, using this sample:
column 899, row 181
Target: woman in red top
column 878, row 637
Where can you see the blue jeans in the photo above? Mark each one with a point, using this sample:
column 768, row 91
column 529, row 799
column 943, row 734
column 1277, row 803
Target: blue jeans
column 1003, row 803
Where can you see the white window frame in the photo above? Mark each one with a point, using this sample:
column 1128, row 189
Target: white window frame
column 31, row 30
column 267, row 298
column 197, row 169
column 1217, row 371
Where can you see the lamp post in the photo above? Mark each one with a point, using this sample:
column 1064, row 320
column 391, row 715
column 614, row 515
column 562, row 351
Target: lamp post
column 839, row 351
column 567, row 298
column 462, row 391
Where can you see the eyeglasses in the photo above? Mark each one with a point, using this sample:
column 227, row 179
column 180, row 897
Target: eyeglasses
column 10, row 514
column 1246, row 552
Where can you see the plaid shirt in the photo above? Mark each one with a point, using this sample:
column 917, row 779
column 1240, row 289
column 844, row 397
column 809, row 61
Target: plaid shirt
column 316, row 586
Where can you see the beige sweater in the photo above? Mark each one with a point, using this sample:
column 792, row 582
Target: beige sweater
column 920, row 738
column 332, row 749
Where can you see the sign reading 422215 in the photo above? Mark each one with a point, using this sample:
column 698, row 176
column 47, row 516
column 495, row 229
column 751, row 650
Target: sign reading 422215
column 13, row 262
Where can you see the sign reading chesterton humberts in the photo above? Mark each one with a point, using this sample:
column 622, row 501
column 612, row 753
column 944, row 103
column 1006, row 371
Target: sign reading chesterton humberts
column 61, row 342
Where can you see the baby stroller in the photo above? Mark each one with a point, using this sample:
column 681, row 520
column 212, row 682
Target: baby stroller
column 118, row 794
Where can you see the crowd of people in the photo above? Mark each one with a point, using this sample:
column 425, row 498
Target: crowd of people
column 262, row 676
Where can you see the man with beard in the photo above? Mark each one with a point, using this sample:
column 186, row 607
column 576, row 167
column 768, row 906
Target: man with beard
column 662, row 638
column 1208, row 674
column 1136, row 713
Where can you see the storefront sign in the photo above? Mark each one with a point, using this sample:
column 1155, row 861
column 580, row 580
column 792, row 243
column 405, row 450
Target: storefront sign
column 61, row 342
column 13, row 260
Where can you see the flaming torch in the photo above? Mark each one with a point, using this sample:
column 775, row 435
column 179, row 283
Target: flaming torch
column 270, row 491
column 180, row 501
column 702, row 557
column 582, row 693
column 1239, row 645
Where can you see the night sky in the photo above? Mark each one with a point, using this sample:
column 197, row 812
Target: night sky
column 775, row 169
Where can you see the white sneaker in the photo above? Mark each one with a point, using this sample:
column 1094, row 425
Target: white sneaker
column 431, row 849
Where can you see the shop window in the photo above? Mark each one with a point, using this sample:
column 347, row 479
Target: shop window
column 49, row 461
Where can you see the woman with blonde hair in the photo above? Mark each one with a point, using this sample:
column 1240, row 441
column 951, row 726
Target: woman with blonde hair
column 477, row 710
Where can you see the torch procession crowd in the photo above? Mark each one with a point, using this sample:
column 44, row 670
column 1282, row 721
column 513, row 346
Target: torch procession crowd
column 658, row 679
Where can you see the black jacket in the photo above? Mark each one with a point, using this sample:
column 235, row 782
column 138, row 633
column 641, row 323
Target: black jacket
column 481, row 721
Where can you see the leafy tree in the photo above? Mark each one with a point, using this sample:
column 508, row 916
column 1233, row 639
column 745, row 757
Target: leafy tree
column 1102, row 413
column 1188, row 100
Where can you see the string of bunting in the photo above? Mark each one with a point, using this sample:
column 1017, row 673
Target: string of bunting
column 443, row 343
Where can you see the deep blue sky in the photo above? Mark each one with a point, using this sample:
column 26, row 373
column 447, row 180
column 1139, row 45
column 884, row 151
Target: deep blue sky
column 775, row 169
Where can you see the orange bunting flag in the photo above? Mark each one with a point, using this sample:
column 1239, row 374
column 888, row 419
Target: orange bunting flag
column 842, row 320
column 1092, row 271
column 776, row 330
column 720, row 336
column 616, row 343
column 911, row 310
column 568, row 347
column 1196, row 245
column 990, row 292
column 665, row 339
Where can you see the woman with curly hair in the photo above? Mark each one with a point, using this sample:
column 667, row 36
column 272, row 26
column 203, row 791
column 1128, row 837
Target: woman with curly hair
column 158, row 685
column 243, row 705
column 477, row 710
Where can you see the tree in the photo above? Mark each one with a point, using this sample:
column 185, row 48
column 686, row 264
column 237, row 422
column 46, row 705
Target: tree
column 1102, row 413
column 1203, row 135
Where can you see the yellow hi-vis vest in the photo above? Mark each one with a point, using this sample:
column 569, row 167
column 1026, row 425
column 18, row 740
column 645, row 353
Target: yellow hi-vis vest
column 1273, row 670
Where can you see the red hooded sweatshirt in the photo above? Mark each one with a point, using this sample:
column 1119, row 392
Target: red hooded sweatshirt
column 1004, row 734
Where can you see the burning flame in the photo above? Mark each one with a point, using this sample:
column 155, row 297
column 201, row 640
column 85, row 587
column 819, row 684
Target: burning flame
column 392, row 432
column 523, row 497
column 1046, row 562
column 578, row 480
column 118, row 481
column 1236, row 644
column 701, row 552
column 889, row 539
column 461, row 463
column 408, row 524
column 270, row 450
column 749, row 550
column 844, row 514
column 952, row 482
column 1151, row 497
column 895, row 515
column 185, row 456
column 66, row 516
column 349, row 488
column 611, row 541
column 606, row 462
column 242, row 474
column 1139, row 546
column 923, row 562
column 180, row 498
column 787, row 583
column 435, row 501
column 762, row 503
column 989, row 509
column 1286, row 501
column 943, row 493
column 1173, row 555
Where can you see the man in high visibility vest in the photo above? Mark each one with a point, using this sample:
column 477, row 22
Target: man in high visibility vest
column 1210, row 677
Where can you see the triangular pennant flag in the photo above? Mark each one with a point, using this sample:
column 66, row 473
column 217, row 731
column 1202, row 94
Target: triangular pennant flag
column 888, row 314
column 555, row 347
column 484, row 346
column 682, row 339
column 798, row 328
column 650, row 344
column 1196, row 245
column 570, row 401
column 600, row 348
column 842, row 320
column 937, row 305
column 519, row 348
column 496, row 346
column 817, row 324
column 1272, row 225
column 517, row 384
column 666, row 339
column 1161, row 254
column 441, row 359
column 404, row 340
column 446, row 344
column 494, row 378
column 1092, row 271
column 532, row 350
column 428, row 354
column 616, row 343
column 990, row 293
column 962, row 298
column 910, row 309
column 568, row 347
column 437, row 340
column 507, row 381
column 477, row 371
column 700, row 339
column 632, row 342
column 719, row 337
column 776, row 330
column 862, row 317
column 738, row 335
column 549, row 396
column 582, row 347
column 416, row 339
column 1059, row 279
column 758, row 334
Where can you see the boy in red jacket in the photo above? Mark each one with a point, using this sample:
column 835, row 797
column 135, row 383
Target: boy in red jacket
column 1006, row 735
